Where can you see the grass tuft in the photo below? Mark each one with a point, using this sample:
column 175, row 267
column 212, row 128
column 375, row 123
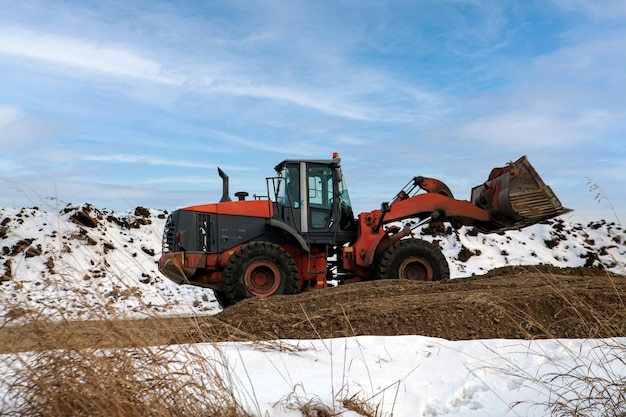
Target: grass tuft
column 363, row 407
column 600, row 195
column 589, row 383
column 169, row 380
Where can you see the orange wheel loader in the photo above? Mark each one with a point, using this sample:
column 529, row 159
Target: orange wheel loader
column 303, row 234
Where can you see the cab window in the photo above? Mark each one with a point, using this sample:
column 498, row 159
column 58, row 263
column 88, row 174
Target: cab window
column 320, row 182
column 289, row 187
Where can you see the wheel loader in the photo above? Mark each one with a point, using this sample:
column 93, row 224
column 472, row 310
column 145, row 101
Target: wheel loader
column 304, row 236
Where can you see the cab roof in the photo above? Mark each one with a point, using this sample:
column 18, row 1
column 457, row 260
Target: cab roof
column 335, row 162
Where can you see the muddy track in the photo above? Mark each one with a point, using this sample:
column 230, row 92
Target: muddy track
column 511, row 302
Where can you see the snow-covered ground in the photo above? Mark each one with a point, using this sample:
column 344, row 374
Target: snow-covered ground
column 75, row 260
column 421, row 376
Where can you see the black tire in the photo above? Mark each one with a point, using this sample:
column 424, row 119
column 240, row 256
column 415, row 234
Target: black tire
column 260, row 269
column 413, row 259
column 222, row 298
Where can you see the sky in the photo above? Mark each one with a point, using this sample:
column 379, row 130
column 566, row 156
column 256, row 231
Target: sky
column 136, row 103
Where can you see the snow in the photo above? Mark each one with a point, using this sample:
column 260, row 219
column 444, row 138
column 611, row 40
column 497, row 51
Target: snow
column 55, row 265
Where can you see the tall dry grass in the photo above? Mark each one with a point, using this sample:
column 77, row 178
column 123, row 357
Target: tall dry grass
column 581, row 383
column 176, row 366
column 595, row 387
column 104, row 366
column 66, row 371
column 56, row 366
column 119, row 368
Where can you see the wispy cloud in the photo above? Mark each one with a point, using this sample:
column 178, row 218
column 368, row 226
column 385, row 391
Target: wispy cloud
column 601, row 9
column 526, row 130
column 574, row 94
column 492, row 32
column 18, row 128
column 9, row 166
column 601, row 59
column 147, row 160
column 351, row 100
column 81, row 53
column 8, row 116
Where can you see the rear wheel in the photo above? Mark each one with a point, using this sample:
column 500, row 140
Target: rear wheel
column 413, row 259
column 260, row 269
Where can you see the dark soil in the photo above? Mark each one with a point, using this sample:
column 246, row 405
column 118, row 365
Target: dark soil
column 510, row 302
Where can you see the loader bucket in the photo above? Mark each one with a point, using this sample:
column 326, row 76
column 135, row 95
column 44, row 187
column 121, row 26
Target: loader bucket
column 516, row 197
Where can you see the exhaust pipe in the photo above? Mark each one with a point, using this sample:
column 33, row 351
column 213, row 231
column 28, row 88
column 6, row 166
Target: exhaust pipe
column 224, row 177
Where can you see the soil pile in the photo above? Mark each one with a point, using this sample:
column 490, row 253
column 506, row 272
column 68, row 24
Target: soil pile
column 511, row 302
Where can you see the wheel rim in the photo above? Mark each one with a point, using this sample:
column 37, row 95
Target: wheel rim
column 415, row 269
column 262, row 278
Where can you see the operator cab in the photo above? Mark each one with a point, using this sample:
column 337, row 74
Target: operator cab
column 312, row 197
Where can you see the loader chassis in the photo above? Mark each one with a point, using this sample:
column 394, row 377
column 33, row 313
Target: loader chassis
column 303, row 234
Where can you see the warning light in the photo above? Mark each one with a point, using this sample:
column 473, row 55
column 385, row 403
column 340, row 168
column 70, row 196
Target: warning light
column 335, row 155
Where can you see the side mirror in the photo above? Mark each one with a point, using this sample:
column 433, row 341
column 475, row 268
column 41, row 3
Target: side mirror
column 384, row 207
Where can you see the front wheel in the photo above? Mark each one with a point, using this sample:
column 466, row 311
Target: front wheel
column 413, row 259
column 260, row 269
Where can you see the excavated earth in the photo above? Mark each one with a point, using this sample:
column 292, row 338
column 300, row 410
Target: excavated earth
column 510, row 302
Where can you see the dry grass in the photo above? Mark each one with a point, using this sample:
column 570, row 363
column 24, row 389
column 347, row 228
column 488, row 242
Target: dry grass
column 179, row 378
column 590, row 383
column 116, row 368
column 362, row 407
column 595, row 387
column 105, row 367
column 309, row 406
column 586, row 383
column 139, row 379
column 119, row 368
column 118, row 383
column 110, row 367
column 170, row 380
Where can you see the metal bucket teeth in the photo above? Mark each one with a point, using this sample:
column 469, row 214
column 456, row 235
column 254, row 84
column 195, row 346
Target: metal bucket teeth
column 516, row 197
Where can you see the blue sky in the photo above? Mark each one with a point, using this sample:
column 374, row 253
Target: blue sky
column 127, row 103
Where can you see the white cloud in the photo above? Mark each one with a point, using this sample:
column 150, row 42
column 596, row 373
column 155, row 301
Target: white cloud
column 80, row 53
column 188, row 180
column 572, row 95
column 293, row 147
column 602, row 57
column 521, row 129
column 9, row 166
column 117, row 61
column 602, row 9
column 17, row 128
column 221, row 69
column 298, row 96
column 139, row 159
column 357, row 99
column 8, row 116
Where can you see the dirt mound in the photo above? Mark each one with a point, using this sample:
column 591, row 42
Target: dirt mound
column 510, row 302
